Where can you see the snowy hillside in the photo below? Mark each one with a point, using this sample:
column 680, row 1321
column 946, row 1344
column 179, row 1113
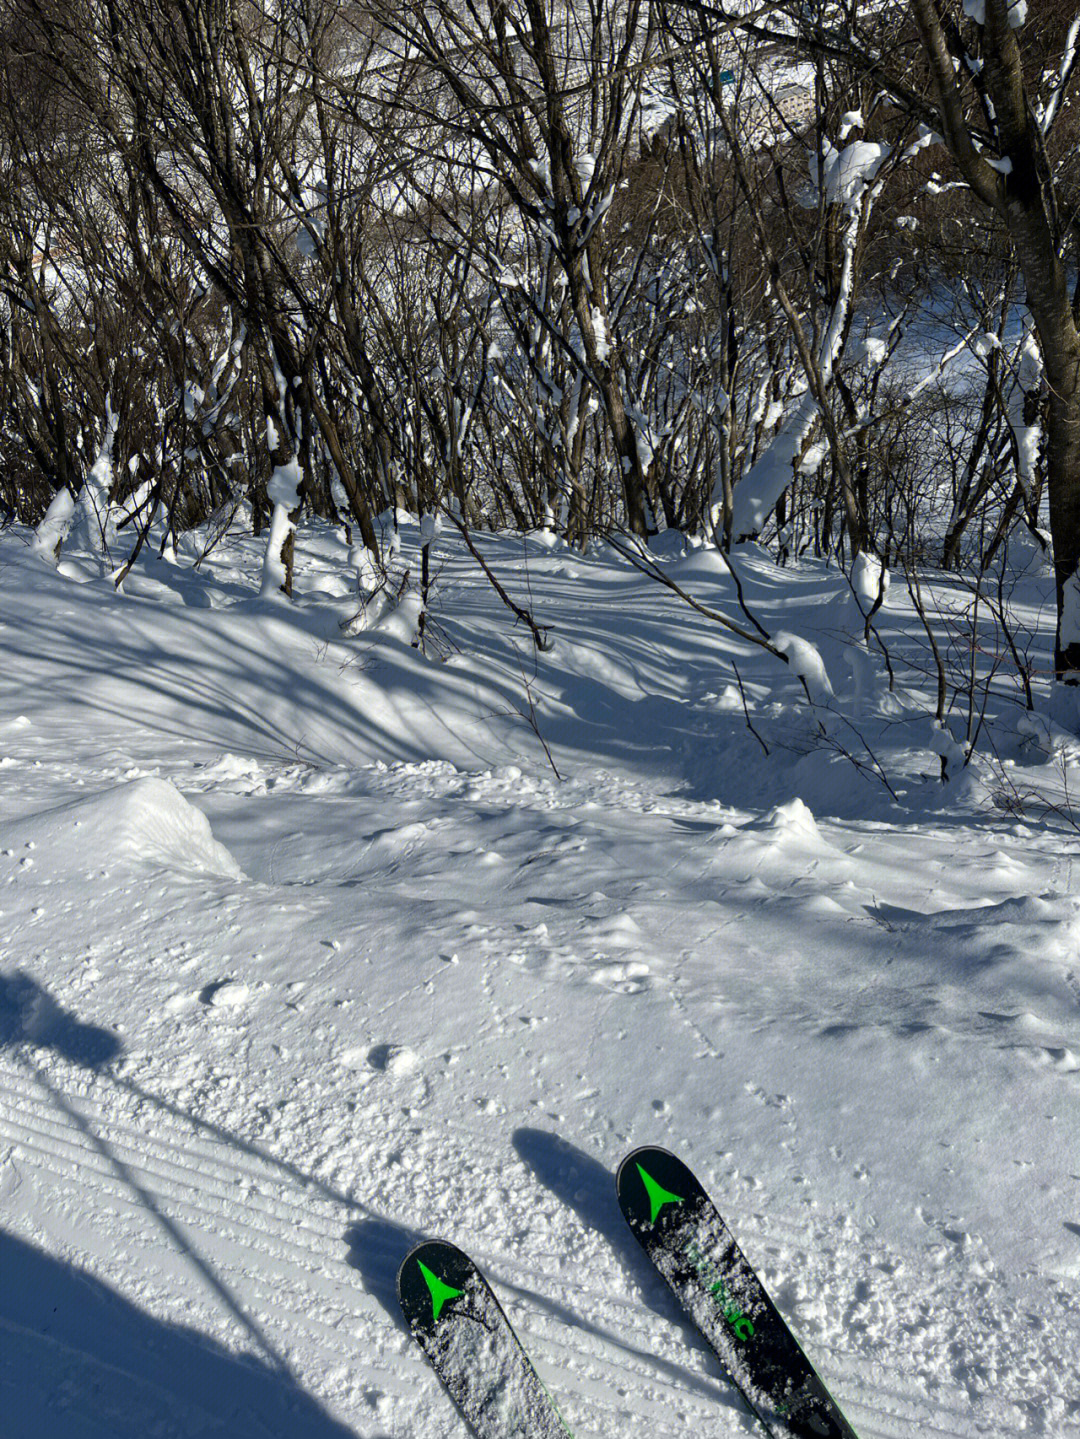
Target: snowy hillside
column 311, row 945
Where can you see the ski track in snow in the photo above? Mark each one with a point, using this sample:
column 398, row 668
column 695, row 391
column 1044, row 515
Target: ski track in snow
column 245, row 1064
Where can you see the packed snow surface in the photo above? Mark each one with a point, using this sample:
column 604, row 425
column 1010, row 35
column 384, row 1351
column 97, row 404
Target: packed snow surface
column 308, row 951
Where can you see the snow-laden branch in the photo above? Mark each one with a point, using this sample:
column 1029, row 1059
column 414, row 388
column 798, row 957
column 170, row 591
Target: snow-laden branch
column 94, row 520
column 283, row 489
column 1029, row 374
column 847, row 177
column 1017, row 12
column 1046, row 115
column 53, row 529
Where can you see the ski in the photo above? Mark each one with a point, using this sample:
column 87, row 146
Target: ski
column 456, row 1319
column 680, row 1229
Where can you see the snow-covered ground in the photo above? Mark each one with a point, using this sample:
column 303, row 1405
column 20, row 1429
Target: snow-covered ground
column 307, row 951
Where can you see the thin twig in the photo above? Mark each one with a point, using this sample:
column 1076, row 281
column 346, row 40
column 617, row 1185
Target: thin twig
column 746, row 708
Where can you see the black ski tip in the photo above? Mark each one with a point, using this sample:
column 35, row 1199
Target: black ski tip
column 431, row 1276
column 648, row 1179
column 663, row 1202
column 645, row 1155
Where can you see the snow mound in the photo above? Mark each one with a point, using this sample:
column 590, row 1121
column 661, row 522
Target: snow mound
column 395, row 1059
column 794, row 818
column 145, row 822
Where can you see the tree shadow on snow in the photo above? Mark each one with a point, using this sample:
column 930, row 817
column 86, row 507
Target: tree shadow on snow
column 80, row 1361
column 30, row 1015
column 85, row 1363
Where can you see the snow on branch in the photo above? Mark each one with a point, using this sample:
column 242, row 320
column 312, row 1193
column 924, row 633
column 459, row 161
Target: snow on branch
column 1046, row 115
column 1017, row 12
column 846, row 174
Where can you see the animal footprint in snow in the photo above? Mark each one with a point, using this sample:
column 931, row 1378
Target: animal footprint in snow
column 225, row 994
column 631, row 977
column 395, row 1059
column 771, row 1101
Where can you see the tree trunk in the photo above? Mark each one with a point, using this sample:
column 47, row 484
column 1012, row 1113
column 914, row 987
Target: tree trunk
column 1063, row 492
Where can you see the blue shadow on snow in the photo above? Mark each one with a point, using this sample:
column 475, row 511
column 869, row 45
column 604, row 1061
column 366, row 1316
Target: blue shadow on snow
column 376, row 1249
column 78, row 1361
column 29, row 1015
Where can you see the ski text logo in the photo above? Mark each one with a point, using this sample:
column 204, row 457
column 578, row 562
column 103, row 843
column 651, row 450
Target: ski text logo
column 741, row 1326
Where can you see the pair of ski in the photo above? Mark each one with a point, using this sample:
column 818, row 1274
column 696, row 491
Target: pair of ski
column 458, row 1322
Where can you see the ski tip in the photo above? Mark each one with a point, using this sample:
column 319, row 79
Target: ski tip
column 439, row 1250
column 647, row 1157
column 647, row 1151
column 432, row 1274
column 651, row 1182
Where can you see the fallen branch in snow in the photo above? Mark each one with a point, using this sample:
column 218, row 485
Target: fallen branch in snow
column 539, row 632
column 532, row 721
column 875, row 767
column 1026, row 801
column 146, row 512
column 219, row 524
column 648, row 566
column 821, row 705
column 643, row 561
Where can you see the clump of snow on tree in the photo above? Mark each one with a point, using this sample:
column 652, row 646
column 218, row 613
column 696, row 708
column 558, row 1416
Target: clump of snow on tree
column 868, row 580
column 845, row 174
column 53, row 529
column 869, row 351
column 804, row 660
column 1029, row 372
column 283, row 489
column 93, row 526
column 943, row 743
column 976, row 10
column 403, row 621
column 869, row 694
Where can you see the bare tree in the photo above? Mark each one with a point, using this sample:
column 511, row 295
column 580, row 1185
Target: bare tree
column 546, row 95
column 993, row 90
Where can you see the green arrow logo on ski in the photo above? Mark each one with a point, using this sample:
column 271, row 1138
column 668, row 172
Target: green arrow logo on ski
column 440, row 1293
column 658, row 1195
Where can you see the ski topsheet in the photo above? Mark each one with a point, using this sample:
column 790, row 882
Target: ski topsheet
column 678, row 1226
column 460, row 1325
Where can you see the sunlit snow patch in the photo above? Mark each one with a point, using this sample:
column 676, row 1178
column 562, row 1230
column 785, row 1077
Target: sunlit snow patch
column 795, row 818
column 147, row 821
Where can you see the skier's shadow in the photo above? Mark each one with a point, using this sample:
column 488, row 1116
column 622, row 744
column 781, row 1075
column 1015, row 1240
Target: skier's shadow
column 29, row 1015
column 376, row 1249
column 584, row 1185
